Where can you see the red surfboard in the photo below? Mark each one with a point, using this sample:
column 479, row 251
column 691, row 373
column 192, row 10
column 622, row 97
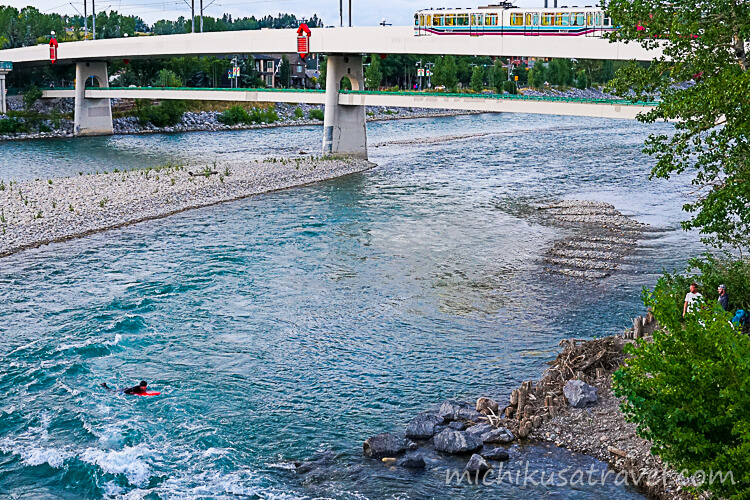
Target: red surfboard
column 146, row 393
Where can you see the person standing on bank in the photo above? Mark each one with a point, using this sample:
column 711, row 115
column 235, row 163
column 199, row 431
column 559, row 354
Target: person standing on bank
column 690, row 298
column 723, row 297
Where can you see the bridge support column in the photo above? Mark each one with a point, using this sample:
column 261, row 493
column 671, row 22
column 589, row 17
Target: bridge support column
column 92, row 116
column 3, row 104
column 344, row 129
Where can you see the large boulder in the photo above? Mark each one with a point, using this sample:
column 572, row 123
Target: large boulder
column 499, row 435
column 494, row 453
column 579, row 393
column 479, row 429
column 487, row 405
column 477, row 464
column 384, row 445
column 454, row 410
column 423, row 426
column 455, row 442
column 413, row 461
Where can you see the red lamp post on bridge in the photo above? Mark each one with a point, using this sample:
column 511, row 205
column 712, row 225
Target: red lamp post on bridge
column 303, row 40
column 53, row 49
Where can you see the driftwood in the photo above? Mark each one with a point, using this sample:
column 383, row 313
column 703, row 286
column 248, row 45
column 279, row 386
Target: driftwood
column 531, row 403
column 203, row 174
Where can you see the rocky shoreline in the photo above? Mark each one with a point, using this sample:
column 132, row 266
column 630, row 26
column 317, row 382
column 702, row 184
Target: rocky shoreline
column 572, row 406
column 34, row 213
column 208, row 121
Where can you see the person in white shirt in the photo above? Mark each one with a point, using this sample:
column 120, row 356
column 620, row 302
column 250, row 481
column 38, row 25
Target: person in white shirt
column 690, row 298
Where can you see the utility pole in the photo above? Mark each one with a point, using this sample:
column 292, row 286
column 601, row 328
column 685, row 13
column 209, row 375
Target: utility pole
column 192, row 14
column 93, row 20
column 85, row 21
column 341, row 13
column 201, row 16
column 350, row 13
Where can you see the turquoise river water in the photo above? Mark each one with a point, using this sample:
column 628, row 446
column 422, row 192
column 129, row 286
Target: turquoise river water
column 294, row 325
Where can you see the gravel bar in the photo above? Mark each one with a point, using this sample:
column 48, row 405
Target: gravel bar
column 34, row 213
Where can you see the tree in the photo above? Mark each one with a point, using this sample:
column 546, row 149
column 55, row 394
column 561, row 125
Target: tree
column 560, row 72
column 702, row 42
column 373, row 75
column 537, row 75
column 477, row 79
column 688, row 391
column 444, row 73
column 500, row 75
column 285, row 72
column 581, row 80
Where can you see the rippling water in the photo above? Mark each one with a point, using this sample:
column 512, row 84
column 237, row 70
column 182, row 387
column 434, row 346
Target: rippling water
column 296, row 324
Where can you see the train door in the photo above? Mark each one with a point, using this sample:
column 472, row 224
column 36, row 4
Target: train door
column 476, row 25
column 594, row 24
column 531, row 24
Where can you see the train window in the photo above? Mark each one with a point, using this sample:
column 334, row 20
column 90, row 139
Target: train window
column 577, row 19
column 536, row 19
column 589, row 18
column 429, row 21
column 547, row 19
column 598, row 18
column 462, row 20
column 416, row 19
column 450, row 20
column 437, row 20
column 528, row 19
column 606, row 21
column 477, row 19
column 490, row 20
column 516, row 19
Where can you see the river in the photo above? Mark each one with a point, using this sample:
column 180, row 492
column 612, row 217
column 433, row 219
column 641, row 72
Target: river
column 296, row 324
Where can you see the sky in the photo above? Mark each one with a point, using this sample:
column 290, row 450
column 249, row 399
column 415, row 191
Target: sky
column 364, row 12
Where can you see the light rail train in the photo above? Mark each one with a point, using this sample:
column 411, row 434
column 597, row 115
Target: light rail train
column 506, row 19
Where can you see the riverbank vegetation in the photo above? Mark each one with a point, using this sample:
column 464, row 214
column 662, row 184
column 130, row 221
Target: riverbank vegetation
column 688, row 391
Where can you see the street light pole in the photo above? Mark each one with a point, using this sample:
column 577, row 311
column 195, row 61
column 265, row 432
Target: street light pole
column 93, row 20
column 341, row 13
column 192, row 14
column 85, row 21
column 201, row 16
column 350, row 13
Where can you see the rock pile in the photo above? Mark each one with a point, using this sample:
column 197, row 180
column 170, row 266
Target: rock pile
column 603, row 239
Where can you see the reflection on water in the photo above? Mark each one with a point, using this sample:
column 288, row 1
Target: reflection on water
column 296, row 324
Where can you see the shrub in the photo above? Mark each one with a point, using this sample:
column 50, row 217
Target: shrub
column 298, row 113
column 165, row 114
column 238, row 114
column 688, row 391
column 13, row 126
column 510, row 87
column 316, row 114
column 32, row 95
column 234, row 115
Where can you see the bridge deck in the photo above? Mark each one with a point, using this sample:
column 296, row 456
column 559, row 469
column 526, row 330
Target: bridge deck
column 604, row 108
column 365, row 40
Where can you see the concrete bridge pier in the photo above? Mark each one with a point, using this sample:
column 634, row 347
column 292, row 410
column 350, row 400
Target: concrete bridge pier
column 92, row 116
column 344, row 129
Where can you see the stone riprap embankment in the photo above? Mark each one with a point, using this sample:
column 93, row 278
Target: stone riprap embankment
column 204, row 121
column 602, row 239
column 34, row 213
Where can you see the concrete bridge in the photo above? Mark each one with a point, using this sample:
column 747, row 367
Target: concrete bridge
column 344, row 125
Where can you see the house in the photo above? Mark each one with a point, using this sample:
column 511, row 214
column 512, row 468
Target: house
column 268, row 65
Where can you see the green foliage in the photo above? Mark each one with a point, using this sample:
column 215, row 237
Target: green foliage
column 499, row 75
column 510, row 87
column 373, row 75
column 581, row 80
column 445, row 73
column 689, row 391
column 13, row 125
column 298, row 113
column 238, row 114
column 32, row 95
column 285, row 72
column 316, row 114
column 477, row 79
column 166, row 114
column 168, row 78
column 704, row 42
column 537, row 75
column 560, row 72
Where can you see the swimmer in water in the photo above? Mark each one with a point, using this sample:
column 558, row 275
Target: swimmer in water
column 138, row 389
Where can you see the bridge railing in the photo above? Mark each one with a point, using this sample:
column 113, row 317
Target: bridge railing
column 517, row 97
